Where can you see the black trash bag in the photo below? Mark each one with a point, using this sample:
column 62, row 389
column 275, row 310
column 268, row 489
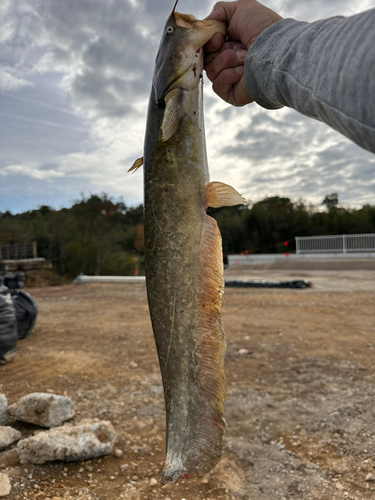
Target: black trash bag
column 14, row 280
column 26, row 311
column 8, row 326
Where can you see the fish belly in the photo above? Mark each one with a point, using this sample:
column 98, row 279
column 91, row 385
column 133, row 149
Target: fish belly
column 184, row 276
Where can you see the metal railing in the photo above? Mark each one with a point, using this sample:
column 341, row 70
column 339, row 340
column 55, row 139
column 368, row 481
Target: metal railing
column 342, row 243
column 16, row 251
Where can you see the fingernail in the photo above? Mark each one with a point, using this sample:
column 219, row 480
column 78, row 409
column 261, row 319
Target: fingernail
column 241, row 54
column 238, row 46
column 239, row 69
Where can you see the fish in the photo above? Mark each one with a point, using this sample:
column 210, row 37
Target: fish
column 183, row 250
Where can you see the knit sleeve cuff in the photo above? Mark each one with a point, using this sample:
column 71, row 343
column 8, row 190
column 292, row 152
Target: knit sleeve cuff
column 260, row 59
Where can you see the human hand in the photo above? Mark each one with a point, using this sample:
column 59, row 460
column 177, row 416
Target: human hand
column 224, row 59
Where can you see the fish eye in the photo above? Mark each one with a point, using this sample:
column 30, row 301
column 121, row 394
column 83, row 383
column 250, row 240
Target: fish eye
column 169, row 30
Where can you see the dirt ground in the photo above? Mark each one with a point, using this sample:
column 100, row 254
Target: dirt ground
column 300, row 372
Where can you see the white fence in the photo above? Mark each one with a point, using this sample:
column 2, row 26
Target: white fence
column 343, row 243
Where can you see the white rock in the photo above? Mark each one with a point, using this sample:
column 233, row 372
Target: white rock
column 153, row 482
column 3, row 409
column 118, row 453
column 370, row 477
column 40, row 408
column 8, row 435
column 243, row 352
column 5, row 486
column 87, row 439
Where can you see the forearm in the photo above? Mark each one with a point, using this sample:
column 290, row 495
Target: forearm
column 325, row 70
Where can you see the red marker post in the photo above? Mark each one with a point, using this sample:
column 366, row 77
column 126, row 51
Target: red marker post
column 286, row 243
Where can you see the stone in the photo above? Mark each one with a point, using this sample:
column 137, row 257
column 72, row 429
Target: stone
column 243, row 352
column 3, row 409
column 12, row 472
column 8, row 435
column 9, row 458
column 370, row 477
column 118, row 453
column 5, row 486
column 339, row 486
column 153, row 482
column 90, row 438
column 338, row 469
column 40, row 408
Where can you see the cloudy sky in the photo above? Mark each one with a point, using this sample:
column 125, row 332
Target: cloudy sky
column 74, row 83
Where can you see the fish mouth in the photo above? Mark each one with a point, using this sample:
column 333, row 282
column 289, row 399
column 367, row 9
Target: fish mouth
column 179, row 61
column 211, row 28
column 203, row 30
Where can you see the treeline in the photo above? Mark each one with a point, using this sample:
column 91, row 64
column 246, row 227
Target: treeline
column 99, row 235
column 269, row 224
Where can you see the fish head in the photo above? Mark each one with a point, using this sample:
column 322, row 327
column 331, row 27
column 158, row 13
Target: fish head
column 179, row 62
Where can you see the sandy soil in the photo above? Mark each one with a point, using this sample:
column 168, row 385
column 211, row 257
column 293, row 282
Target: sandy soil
column 301, row 387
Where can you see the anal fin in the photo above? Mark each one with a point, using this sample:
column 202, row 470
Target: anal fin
column 218, row 194
column 200, row 449
column 136, row 165
column 211, row 348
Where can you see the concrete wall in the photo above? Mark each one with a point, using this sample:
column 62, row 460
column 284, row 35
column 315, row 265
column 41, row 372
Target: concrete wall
column 274, row 257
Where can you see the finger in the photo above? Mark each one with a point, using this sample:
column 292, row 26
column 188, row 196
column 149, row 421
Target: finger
column 215, row 44
column 209, row 57
column 226, row 59
column 225, row 81
column 230, row 86
column 239, row 95
column 222, row 11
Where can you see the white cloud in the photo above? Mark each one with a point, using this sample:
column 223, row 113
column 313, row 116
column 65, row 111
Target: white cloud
column 4, row 9
column 29, row 171
column 264, row 153
column 7, row 29
column 93, row 62
column 320, row 9
column 11, row 83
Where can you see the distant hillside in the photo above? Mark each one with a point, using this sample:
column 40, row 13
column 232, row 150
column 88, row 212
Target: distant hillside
column 100, row 235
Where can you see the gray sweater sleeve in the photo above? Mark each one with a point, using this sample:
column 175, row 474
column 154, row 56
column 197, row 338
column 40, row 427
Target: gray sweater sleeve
column 324, row 70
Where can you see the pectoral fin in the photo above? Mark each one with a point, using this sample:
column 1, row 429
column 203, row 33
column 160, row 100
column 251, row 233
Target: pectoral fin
column 173, row 114
column 136, row 165
column 218, row 194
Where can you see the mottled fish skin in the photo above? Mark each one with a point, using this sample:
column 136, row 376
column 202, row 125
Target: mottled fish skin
column 183, row 254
